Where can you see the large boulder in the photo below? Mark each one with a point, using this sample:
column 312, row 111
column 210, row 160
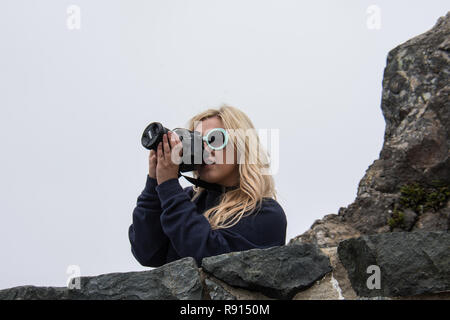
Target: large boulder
column 410, row 263
column 278, row 272
column 178, row 280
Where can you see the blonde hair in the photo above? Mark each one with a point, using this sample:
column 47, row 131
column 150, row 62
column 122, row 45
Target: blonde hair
column 253, row 184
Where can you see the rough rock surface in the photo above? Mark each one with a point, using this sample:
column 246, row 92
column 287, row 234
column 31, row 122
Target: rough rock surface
column 410, row 263
column 176, row 280
column 217, row 292
column 327, row 232
column 216, row 289
column 416, row 108
column 278, row 272
column 340, row 281
column 323, row 289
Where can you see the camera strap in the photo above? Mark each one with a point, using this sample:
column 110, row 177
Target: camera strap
column 207, row 185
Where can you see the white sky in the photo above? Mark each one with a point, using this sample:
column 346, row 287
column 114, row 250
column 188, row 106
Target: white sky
column 73, row 104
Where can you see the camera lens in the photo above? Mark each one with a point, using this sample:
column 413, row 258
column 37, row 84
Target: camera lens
column 193, row 148
column 153, row 135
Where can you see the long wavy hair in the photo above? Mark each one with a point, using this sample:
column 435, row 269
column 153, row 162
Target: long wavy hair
column 254, row 182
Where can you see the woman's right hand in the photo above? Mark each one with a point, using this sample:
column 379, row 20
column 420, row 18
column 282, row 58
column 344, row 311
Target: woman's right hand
column 152, row 161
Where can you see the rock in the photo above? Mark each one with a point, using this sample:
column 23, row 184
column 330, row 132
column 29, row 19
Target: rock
column 176, row 280
column 429, row 221
column 411, row 263
column 409, row 219
column 34, row 293
column 340, row 281
column 237, row 293
column 217, row 292
column 323, row 289
column 416, row 107
column 277, row 272
column 374, row 209
column 327, row 232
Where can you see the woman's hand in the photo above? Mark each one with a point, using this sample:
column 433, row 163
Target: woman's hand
column 168, row 157
column 152, row 161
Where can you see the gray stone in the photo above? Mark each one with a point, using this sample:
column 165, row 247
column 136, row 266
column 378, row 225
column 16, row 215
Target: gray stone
column 327, row 232
column 340, row 281
column 409, row 219
column 176, row 280
column 323, row 289
column 429, row 221
column 278, row 272
column 411, row 263
column 34, row 293
column 217, row 292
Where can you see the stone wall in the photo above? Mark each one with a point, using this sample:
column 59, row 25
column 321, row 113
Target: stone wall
column 410, row 265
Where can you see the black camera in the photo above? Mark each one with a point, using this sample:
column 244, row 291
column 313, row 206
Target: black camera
column 194, row 151
column 192, row 141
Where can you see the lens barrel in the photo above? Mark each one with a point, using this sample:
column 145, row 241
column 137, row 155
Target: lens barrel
column 153, row 135
column 193, row 148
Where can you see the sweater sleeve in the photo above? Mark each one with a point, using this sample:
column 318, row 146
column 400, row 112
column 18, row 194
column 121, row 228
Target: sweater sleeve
column 191, row 234
column 149, row 244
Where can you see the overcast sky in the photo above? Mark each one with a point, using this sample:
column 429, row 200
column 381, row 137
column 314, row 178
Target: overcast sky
column 74, row 102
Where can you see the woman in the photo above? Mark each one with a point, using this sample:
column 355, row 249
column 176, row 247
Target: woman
column 170, row 222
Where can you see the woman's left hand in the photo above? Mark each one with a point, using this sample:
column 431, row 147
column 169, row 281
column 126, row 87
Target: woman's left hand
column 169, row 157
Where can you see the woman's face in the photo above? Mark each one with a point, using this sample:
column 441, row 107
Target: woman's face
column 225, row 171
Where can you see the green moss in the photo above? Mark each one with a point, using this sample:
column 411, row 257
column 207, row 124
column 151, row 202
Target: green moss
column 396, row 219
column 437, row 198
column 412, row 196
column 419, row 198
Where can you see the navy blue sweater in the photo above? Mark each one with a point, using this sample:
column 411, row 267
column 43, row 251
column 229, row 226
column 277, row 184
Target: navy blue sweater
column 167, row 226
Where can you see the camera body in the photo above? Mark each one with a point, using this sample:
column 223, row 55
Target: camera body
column 193, row 148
